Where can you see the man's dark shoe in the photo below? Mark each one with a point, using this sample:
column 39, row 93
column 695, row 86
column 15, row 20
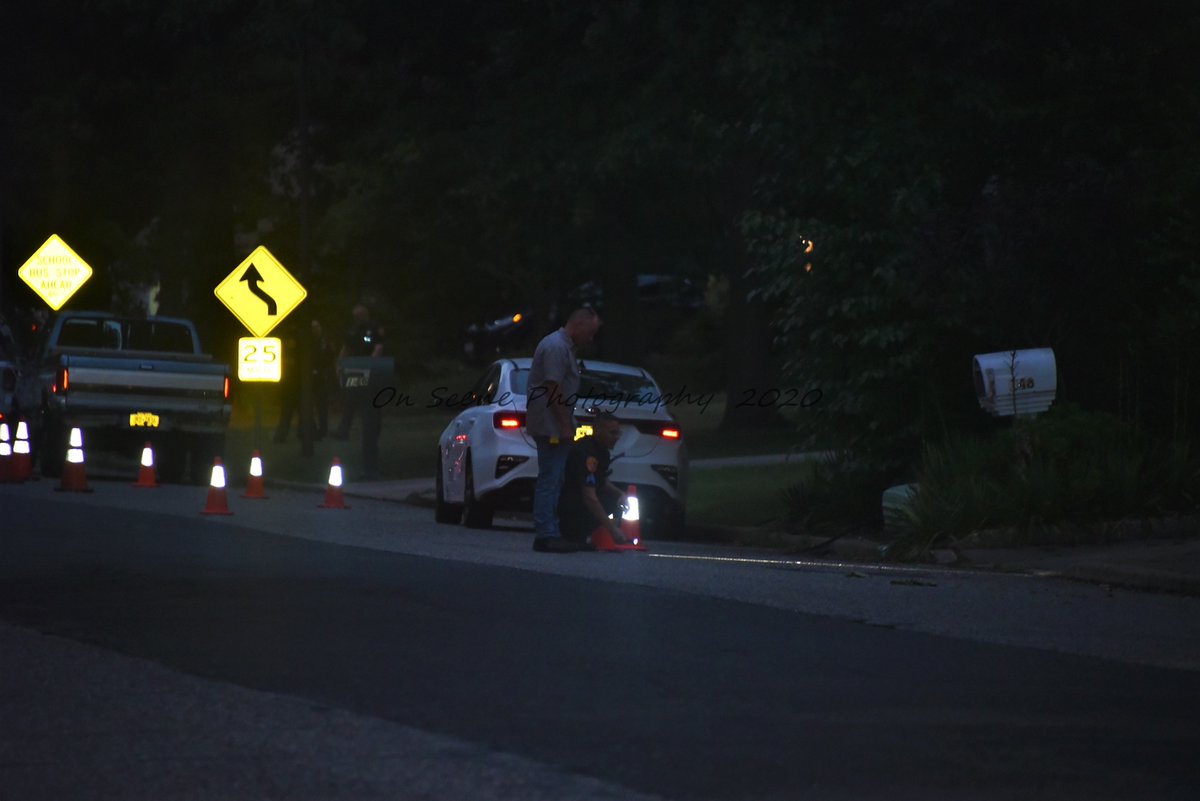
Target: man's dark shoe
column 559, row 545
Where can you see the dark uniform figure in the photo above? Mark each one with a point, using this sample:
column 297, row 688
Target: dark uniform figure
column 365, row 339
column 290, row 382
column 324, row 377
column 320, row 356
column 588, row 497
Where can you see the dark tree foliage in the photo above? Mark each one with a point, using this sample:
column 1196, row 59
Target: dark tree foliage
column 973, row 178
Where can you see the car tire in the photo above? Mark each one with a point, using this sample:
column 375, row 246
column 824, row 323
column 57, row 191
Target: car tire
column 662, row 519
column 445, row 512
column 477, row 513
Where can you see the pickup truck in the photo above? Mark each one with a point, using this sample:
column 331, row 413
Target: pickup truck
column 126, row 381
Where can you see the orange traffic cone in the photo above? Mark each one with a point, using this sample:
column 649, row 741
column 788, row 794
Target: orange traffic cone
column 333, row 492
column 147, row 475
column 217, row 503
column 254, row 485
column 21, row 468
column 74, row 474
column 631, row 527
column 5, row 455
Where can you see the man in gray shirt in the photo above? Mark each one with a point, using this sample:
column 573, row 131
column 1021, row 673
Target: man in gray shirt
column 549, row 419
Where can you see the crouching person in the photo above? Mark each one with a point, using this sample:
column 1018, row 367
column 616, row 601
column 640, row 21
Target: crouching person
column 588, row 497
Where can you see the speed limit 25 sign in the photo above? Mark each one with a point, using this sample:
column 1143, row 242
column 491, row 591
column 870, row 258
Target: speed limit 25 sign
column 260, row 359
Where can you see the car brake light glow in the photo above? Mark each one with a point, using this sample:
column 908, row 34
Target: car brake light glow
column 509, row 421
column 671, row 433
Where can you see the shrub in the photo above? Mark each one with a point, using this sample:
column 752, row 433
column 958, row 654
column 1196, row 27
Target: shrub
column 837, row 497
column 1043, row 477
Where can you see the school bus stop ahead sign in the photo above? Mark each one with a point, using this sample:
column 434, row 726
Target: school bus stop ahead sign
column 260, row 292
column 54, row 272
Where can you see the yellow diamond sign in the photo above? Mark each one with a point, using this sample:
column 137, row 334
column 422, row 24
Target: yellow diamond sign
column 260, row 292
column 54, row 272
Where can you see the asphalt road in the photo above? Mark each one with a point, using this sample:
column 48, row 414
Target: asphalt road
column 289, row 652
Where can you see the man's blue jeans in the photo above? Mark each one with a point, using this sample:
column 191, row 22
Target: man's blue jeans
column 552, row 467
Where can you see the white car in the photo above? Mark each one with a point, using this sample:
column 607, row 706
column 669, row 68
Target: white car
column 488, row 461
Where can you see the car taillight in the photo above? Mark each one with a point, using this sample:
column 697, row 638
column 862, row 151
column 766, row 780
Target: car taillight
column 509, row 421
column 226, row 387
column 62, row 380
column 670, row 433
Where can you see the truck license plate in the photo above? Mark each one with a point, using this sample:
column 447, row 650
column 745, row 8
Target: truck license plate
column 143, row 420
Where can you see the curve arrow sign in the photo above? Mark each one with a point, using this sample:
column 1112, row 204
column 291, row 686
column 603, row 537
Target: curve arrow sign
column 252, row 278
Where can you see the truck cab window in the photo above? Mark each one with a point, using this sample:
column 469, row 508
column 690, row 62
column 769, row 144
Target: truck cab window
column 160, row 336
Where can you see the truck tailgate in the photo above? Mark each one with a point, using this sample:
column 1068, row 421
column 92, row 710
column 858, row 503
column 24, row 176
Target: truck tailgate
column 150, row 385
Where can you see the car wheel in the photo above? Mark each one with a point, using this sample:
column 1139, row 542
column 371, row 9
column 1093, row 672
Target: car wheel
column 445, row 512
column 662, row 520
column 476, row 513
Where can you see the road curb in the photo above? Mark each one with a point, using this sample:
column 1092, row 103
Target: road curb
column 1134, row 578
column 845, row 548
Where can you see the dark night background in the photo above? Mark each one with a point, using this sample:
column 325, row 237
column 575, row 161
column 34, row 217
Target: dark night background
column 974, row 179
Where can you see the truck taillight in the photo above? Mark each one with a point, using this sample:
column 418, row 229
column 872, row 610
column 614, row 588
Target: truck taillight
column 62, row 380
column 226, row 387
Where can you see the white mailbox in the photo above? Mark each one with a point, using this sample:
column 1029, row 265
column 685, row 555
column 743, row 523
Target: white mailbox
column 1016, row 382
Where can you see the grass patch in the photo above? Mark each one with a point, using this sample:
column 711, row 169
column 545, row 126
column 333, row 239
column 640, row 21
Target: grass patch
column 407, row 443
column 838, row 496
column 707, row 440
column 742, row 496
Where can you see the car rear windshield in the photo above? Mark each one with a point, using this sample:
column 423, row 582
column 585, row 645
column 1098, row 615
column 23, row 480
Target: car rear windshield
column 110, row 334
column 601, row 386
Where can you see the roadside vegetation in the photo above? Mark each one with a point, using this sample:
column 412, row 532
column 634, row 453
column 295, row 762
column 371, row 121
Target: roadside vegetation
column 1067, row 478
column 742, row 496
